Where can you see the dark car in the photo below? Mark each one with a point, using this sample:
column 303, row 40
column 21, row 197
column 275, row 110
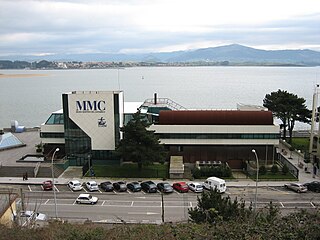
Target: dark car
column 149, row 187
column 134, row 186
column 181, row 187
column 107, row 186
column 47, row 185
column 313, row 186
column 165, row 187
column 120, row 186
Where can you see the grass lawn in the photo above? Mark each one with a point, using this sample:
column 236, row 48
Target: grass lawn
column 130, row 170
column 300, row 143
column 274, row 177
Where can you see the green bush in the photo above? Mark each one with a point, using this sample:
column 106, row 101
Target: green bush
column 217, row 171
column 285, row 169
column 263, row 170
column 274, row 169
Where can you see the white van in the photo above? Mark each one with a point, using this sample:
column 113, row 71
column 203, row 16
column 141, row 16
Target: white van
column 214, row 182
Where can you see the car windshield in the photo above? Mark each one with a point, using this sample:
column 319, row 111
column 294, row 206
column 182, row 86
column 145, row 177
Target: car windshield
column 166, row 185
column 89, row 197
column 76, row 184
column 93, row 184
column 198, row 186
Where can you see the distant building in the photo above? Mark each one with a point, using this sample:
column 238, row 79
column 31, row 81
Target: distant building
column 89, row 127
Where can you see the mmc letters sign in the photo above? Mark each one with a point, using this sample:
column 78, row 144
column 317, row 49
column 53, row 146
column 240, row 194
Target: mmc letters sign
column 87, row 106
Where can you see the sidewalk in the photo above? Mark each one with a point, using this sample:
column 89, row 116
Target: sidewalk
column 76, row 173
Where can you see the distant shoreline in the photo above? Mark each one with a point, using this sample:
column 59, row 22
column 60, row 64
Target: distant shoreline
column 21, row 75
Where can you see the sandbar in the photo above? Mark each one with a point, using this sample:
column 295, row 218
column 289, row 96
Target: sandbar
column 24, row 75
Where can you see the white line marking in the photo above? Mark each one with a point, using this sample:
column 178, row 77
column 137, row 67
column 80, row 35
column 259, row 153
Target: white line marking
column 312, row 205
column 29, row 188
column 84, row 189
column 99, row 191
column 132, row 203
column 281, row 204
column 191, row 204
column 103, row 203
column 56, row 188
column 46, row 201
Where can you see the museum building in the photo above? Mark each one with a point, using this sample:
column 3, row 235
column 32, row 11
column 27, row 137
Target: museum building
column 89, row 125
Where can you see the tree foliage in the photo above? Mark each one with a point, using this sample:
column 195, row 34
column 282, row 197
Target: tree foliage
column 289, row 108
column 139, row 144
column 212, row 208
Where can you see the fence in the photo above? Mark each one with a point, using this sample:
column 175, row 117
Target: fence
column 292, row 169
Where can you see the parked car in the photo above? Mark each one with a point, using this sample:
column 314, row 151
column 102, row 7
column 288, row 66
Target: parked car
column 180, row 187
column 195, row 187
column 92, row 186
column 297, row 187
column 120, row 186
column 47, row 185
column 149, row 186
column 86, row 198
column 134, row 186
column 107, row 186
column 313, row 186
column 31, row 215
column 165, row 187
column 75, row 185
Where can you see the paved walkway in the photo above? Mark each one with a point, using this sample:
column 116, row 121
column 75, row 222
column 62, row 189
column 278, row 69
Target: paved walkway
column 31, row 138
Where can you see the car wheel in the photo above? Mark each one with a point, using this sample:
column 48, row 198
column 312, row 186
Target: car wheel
column 77, row 202
column 92, row 203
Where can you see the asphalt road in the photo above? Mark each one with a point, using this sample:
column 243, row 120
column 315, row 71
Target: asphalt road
column 143, row 207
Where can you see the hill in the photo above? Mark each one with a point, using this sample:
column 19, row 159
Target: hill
column 230, row 54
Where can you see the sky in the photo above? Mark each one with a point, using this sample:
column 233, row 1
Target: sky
column 46, row 27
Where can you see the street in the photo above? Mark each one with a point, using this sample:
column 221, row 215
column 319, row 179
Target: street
column 141, row 207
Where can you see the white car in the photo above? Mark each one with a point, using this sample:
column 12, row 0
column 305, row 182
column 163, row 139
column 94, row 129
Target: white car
column 86, row 198
column 75, row 185
column 31, row 215
column 92, row 186
column 196, row 187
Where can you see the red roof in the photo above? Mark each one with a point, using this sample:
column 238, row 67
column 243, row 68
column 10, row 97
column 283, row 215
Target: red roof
column 215, row 117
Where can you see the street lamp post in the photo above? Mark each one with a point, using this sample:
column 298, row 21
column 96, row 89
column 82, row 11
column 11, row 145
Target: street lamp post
column 299, row 152
column 53, row 185
column 257, row 166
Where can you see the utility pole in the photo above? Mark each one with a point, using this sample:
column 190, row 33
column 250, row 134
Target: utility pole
column 162, row 205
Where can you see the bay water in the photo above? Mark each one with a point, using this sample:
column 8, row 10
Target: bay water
column 30, row 99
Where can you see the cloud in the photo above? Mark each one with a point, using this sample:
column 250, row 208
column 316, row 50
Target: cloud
column 41, row 26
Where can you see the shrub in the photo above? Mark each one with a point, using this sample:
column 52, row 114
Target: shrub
column 263, row 170
column 285, row 169
column 274, row 169
column 219, row 171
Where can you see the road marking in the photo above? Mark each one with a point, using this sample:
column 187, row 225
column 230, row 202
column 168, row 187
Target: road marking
column 84, row 189
column 132, row 203
column 312, row 205
column 143, row 213
column 56, row 188
column 281, row 204
column 46, row 201
column 29, row 188
column 129, row 192
column 177, row 192
column 99, row 190
column 103, row 202
column 191, row 204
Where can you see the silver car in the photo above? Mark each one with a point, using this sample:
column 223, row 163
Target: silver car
column 92, row 186
column 196, row 187
column 297, row 187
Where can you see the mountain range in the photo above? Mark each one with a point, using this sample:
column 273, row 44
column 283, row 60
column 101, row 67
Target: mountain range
column 234, row 53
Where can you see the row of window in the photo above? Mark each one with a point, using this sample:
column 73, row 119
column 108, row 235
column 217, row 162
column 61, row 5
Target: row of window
column 218, row 136
column 51, row 135
column 55, row 118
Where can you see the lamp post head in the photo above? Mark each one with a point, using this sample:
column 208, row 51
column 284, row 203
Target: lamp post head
column 57, row 150
column 253, row 150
